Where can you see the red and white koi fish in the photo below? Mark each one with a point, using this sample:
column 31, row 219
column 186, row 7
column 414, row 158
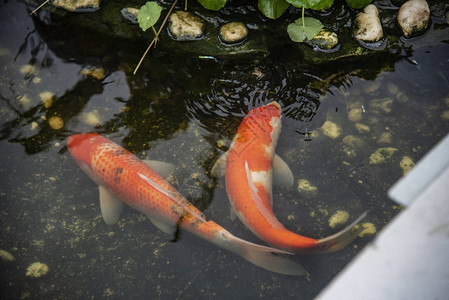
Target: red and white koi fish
column 123, row 178
column 249, row 166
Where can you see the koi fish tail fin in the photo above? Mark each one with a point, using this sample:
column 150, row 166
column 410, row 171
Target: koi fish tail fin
column 266, row 257
column 343, row 238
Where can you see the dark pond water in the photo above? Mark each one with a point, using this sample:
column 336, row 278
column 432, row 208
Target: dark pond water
column 392, row 106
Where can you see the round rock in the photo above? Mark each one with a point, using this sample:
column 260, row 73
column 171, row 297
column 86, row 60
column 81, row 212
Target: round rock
column 368, row 26
column 233, row 32
column 413, row 17
column 325, row 39
column 185, row 27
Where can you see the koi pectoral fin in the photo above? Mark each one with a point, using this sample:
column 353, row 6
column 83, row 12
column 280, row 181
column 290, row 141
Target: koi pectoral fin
column 163, row 225
column 111, row 206
column 218, row 170
column 282, row 175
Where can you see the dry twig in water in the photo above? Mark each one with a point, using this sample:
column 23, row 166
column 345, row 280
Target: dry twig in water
column 156, row 37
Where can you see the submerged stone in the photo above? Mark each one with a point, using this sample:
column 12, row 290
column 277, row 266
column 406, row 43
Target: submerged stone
column 306, row 189
column 331, row 129
column 185, row 27
column 413, row 17
column 368, row 26
column 381, row 155
column 406, row 164
column 73, row 5
column 233, row 33
column 369, row 229
column 97, row 73
column 37, row 269
column 130, row 14
column 325, row 40
column 355, row 114
column 381, row 105
column 385, row 137
column 340, row 217
column 6, row 256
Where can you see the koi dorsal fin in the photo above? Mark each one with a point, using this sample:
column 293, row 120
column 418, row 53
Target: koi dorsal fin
column 111, row 206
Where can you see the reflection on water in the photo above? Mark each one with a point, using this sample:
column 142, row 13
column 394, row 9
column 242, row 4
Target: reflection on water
column 348, row 126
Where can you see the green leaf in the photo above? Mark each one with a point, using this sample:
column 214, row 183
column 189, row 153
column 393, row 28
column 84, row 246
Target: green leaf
column 273, row 9
column 358, row 3
column 213, row 4
column 148, row 15
column 299, row 33
column 312, row 4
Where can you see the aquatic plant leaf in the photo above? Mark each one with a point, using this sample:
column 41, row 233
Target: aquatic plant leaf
column 148, row 15
column 299, row 33
column 312, row 4
column 358, row 3
column 273, row 9
column 213, row 4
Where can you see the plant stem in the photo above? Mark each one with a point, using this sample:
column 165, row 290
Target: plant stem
column 156, row 37
column 46, row 1
column 303, row 23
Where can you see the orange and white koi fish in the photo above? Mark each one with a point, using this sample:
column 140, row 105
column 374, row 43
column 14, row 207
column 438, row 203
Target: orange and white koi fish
column 123, row 178
column 249, row 166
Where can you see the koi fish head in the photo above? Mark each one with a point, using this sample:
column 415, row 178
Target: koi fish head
column 82, row 148
column 264, row 114
column 262, row 125
column 82, row 145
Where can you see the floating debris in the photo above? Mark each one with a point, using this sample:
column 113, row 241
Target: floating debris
column 340, row 217
column 47, row 98
column 25, row 102
column 33, row 125
column 28, row 70
column 91, row 118
column 56, row 122
column 37, row 269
